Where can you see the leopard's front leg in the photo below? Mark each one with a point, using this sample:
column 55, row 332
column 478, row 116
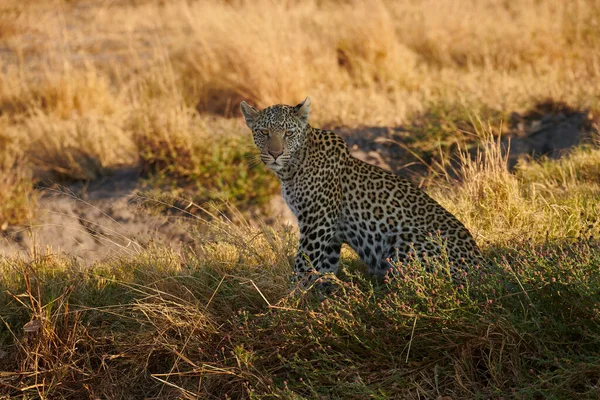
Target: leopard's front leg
column 319, row 251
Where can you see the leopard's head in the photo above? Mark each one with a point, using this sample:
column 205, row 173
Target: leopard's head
column 279, row 131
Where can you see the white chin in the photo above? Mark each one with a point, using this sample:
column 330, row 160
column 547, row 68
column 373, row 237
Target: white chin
column 275, row 167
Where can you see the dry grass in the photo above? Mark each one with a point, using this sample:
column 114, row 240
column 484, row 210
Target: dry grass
column 219, row 321
column 541, row 200
column 74, row 74
column 88, row 86
column 16, row 198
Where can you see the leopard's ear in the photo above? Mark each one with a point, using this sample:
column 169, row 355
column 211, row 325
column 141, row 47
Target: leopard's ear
column 303, row 109
column 250, row 113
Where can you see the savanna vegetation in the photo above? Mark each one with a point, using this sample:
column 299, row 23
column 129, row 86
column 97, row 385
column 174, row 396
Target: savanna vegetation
column 89, row 87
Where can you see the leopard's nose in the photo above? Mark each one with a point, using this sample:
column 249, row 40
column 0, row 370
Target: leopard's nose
column 275, row 154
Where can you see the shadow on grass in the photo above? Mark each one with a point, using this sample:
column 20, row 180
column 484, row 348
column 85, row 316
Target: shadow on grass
column 548, row 128
column 160, row 325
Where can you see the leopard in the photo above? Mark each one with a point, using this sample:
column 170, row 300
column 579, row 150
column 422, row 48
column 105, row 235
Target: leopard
column 339, row 199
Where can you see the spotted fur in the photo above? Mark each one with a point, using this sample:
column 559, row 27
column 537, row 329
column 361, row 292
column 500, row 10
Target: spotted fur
column 340, row 199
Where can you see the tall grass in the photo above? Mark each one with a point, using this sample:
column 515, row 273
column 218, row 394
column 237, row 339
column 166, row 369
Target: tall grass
column 536, row 202
column 74, row 74
column 86, row 87
column 218, row 320
column 170, row 327
column 16, row 200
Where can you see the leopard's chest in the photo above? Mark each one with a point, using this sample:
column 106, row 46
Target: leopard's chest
column 312, row 190
column 290, row 195
column 302, row 195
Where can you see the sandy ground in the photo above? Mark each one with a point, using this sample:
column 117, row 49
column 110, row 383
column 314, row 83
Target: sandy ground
column 99, row 220
column 95, row 221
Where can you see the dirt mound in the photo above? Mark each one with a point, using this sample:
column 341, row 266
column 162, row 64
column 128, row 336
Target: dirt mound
column 549, row 128
column 93, row 222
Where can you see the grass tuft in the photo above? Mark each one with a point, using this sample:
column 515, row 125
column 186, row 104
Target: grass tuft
column 17, row 199
column 213, row 163
column 532, row 204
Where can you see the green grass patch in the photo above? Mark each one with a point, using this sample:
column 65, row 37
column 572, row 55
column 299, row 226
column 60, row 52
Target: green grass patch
column 203, row 163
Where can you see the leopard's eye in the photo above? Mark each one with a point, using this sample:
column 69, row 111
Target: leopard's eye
column 263, row 131
column 289, row 133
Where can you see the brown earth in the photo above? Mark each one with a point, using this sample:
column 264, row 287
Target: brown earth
column 94, row 221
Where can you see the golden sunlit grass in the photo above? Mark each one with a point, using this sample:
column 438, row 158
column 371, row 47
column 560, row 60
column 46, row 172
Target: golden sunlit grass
column 75, row 74
column 90, row 86
column 405, row 56
column 16, row 198
column 542, row 199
